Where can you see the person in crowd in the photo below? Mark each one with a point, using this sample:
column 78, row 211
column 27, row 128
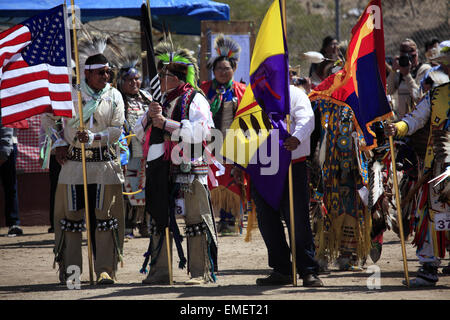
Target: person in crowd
column 136, row 104
column 177, row 171
column 330, row 50
column 343, row 233
column 103, row 118
column 53, row 166
column 270, row 221
column 224, row 94
column 403, row 83
column 433, row 112
column 8, row 176
column 304, row 83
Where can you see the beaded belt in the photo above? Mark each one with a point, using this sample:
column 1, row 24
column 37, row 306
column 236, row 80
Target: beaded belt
column 188, row 168
column 93, row 154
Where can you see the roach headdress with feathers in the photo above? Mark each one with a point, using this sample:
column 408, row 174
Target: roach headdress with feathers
column 225, row 47
column 177, row 60
column 128, row 67
column 91, row 49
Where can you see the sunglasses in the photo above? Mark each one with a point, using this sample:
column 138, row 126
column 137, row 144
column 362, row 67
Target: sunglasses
column 101, row 72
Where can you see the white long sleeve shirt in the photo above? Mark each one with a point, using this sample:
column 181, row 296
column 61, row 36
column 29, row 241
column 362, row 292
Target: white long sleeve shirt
column 194, row 130
column 302, row 121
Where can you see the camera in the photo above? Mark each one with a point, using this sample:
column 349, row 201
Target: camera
column 404, row 60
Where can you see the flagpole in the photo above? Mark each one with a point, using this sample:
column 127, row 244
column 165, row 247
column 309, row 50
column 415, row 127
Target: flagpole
column 291, row 214
column 83, row 155
column 169, row 251
column 399, row 209
column 291, row 189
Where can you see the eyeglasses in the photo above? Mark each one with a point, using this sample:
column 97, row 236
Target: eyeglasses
column 162, row 75
column 226, row 69
column 135, row 79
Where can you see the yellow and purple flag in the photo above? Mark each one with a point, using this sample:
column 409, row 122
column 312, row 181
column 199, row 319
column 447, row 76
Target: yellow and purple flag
column 361, row 84
column 255, row 138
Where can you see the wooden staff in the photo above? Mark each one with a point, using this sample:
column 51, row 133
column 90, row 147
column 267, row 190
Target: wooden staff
column 169, row 251
column 83, row 155
column 399, row 209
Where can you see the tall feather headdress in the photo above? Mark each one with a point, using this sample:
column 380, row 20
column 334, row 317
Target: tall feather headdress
column 224, row 47
column 89, row 46
column 178, row 60
column 127, row 65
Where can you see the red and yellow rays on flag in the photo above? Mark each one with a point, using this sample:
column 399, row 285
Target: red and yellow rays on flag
column 263, row 108
column 361, row 84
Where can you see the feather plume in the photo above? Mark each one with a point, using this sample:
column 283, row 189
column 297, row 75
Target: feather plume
column 438, row 77
column 224, row 47
column 376, row 188
column 227, row 47
column 313, row 57
column 88, row 46
column 323, row 148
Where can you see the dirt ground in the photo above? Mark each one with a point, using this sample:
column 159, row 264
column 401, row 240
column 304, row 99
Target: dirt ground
column 26, row 274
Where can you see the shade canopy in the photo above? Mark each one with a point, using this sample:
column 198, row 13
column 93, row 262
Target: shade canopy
column 179, row 16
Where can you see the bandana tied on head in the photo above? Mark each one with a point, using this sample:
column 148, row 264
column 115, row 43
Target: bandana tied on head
column 91, row 58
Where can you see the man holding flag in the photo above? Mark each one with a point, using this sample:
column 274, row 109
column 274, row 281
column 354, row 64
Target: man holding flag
column 103, row 118
column 259, row 124
column 350, row 101
column 432, row 111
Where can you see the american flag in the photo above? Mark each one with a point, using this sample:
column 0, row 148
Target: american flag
column 34, row 77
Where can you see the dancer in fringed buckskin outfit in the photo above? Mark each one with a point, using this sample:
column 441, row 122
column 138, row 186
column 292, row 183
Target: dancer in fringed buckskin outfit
column 231, row 196
column 343, row 224
column 136, row 103
column 103, row 116
column 434, row 196
column 176, row 170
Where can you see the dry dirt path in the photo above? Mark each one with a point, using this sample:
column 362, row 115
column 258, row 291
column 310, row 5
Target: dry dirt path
column 26, row 274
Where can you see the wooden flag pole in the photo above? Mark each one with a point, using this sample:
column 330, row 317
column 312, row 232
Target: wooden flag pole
column 83, row 155
column 291, row 189
column 291, row 214
column 169, row 251
column 399, row 209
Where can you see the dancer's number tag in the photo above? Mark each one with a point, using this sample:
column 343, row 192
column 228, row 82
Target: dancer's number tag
column 442, row 221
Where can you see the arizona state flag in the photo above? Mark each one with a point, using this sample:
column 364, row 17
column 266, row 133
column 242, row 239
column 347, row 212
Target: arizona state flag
column 361, row 84
column 255, row 138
